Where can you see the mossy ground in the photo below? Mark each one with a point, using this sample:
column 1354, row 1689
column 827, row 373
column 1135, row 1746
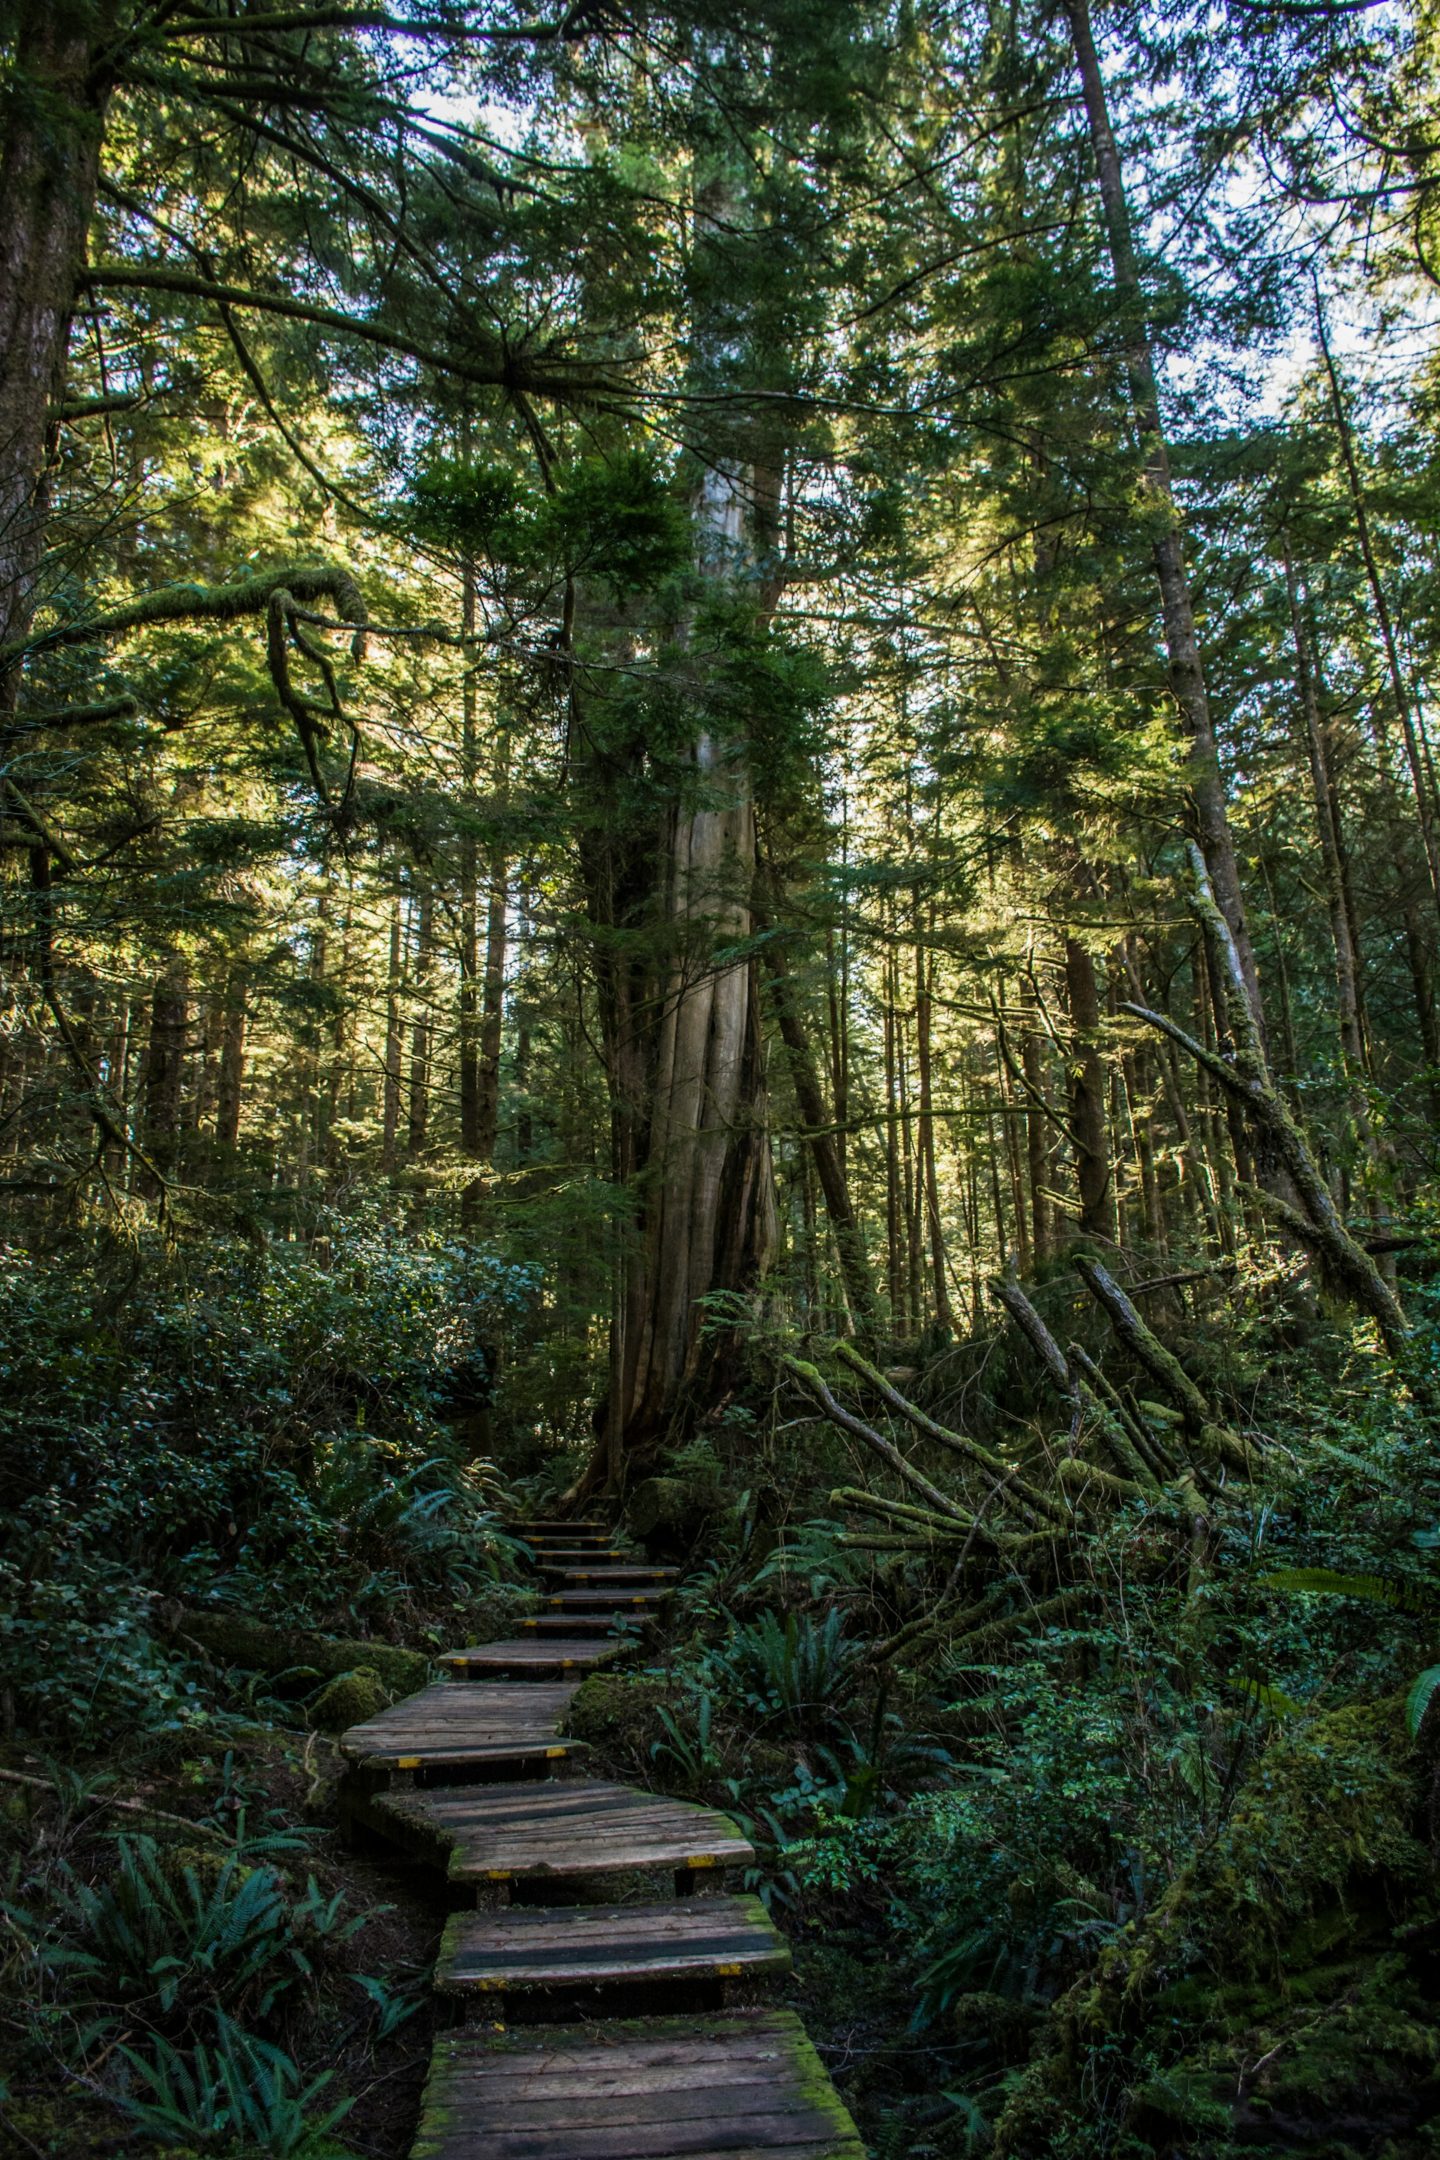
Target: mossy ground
column 1283, row 1995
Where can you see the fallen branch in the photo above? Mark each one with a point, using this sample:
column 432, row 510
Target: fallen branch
column 134, row 1807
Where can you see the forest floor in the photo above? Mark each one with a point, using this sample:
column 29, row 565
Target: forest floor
column 289, row 1781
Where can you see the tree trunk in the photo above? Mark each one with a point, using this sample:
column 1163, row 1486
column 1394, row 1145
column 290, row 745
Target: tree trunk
column 1088, row 1122
column 928, row 1181
column 487, row 1119
column 468, row 1056
column 1328, row 832
column 51, row 123
column 394, row 1041
column 229, row 1094
column 707, row 1198
column 165, row 1065
column 1419, row 779
column 417, row 1129
column 1037, row 1139
column 823, row 1143
column 1187, row 674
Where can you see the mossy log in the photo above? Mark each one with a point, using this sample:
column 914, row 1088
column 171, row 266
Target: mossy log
column 1007, row 1477
column 1164, row 1368
column 256, row 1646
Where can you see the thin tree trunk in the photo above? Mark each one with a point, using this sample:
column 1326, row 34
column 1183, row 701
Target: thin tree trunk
column 165, row 1064
column 1328, row 832
column 928, row 1181
column 1399, row 691
column 1087, row 1095
column 417, row 1130
column 1010, row 1115
column 230, row 1089
column 487, row 1124
column 1037, row 1138
column 895, row 1274
column 468, row 1055
column 394, row 1041
column 1187, row 674
column 821, row 1139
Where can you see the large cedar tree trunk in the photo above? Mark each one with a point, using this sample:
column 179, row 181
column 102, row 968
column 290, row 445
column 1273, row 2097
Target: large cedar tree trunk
column 51, row 122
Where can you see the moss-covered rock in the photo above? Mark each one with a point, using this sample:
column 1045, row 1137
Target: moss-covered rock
column 231, row 1639
column 614, row 1714
column 349, row 1700
column 669, row 1513
column 1270, row 1989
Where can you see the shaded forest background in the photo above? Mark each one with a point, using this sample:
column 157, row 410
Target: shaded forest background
column 718, row 796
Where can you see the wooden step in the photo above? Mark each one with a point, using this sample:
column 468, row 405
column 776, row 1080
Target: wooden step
column 567, row 1946
column 592, row 1624
column 445, row 1727
column 605, row 1577
column 599, row 1598
column 748, row 2085
column 574, row 1826
column 553, row 1556
column 546, row 1555
column 543, row 1527
column 531, row 1657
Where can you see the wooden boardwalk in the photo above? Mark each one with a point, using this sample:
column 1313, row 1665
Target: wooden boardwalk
column 475, row 1776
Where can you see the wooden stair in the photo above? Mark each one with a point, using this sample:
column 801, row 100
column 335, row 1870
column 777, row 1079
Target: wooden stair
column 526, row 1948
column 548, row 1832
column 627, row 1575
column 532, row 1657
column 608, row 1598
column 450, row 1728
column 747, row 2085
column 493, row 1805
column 580, row 1625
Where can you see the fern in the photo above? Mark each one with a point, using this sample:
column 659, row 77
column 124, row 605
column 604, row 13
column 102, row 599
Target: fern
column 242, row 2091
column 1417, row 1702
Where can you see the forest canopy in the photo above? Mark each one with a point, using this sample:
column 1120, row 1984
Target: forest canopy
column 718, row 799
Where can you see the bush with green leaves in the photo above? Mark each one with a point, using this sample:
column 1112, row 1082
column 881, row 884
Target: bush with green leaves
column 263, row 1426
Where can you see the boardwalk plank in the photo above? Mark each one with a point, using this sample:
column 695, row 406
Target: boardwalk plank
column 445, row 1725
column 499, row 1833
column 746, row 2084
column 590, row 1945
column 530, row 1658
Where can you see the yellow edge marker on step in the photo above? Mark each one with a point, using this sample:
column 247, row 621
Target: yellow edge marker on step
column 552, row 1753
column 727, row 1972
column 703, row 1859
column 408, row 1762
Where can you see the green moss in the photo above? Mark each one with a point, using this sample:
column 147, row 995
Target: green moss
column 348, row 1700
